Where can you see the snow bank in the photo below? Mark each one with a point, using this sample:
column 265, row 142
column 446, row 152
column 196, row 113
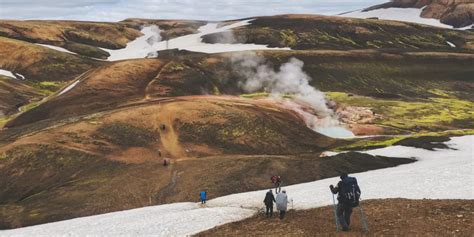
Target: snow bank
column 70, row 87
column 440, row 174
column 56, row 48
column 166, row 220
column 7, row 73
column 11, row 74
column 398, row 14
column 141, row 48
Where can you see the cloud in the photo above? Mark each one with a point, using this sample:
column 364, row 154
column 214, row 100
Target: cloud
column 116, row 10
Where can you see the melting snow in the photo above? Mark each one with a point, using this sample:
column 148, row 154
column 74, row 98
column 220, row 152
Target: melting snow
column 440, row 174
column 7, row 73
column 398, row 14
column 11, row 74
column 56, row 48
column 68, row 88
column 451, row 44
column 140, row 48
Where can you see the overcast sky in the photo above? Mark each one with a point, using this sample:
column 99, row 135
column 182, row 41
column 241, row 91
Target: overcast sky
column 116, row 10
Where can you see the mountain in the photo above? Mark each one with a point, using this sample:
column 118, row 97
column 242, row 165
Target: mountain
column 90, row 110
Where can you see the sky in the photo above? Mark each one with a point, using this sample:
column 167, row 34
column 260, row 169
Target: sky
column 117, row 10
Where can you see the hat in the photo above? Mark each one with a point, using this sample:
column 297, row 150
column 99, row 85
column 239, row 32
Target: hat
column 343, row 175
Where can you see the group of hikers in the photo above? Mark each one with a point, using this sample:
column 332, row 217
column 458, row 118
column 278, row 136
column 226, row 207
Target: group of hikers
column 348, row 195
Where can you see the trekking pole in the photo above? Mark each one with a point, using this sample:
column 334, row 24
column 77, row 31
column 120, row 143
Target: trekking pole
column 335, row 212
column 364, row 221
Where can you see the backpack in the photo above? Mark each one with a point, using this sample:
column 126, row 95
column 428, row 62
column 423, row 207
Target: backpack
column 350, row 191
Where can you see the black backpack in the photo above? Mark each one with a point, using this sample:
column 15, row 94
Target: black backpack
column 350, row 191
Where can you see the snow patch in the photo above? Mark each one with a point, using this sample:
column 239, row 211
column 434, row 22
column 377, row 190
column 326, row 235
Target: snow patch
column 439, row 174
column 451, row 44
column 11, row 74
column 141, row 48
column 398, row 14
column 68, row 88
column 57, row 48
column 7, row 73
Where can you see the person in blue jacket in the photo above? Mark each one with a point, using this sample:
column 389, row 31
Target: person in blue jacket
column 203, row 195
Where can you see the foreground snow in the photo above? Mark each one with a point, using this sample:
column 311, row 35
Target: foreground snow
column 440, row 174
column 142, row 47
column 398, row 14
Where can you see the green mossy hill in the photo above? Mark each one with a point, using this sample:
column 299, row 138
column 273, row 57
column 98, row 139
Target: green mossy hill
column 325, row 32
column 432, row 114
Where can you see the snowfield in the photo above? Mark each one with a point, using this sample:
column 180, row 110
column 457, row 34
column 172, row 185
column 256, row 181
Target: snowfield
column 440, row 174
column 141, row 47
column 397, row 14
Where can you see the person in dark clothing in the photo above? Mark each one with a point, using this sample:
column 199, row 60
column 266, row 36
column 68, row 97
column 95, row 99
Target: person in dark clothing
column 269, row 200
column 344, row 204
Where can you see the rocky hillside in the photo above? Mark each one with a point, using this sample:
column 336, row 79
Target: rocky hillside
column 458, row 13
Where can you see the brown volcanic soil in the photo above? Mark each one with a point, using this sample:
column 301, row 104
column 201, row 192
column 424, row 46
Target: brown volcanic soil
column 113, row 161
column 39, row 63
column 386, row 217
column 170, row 28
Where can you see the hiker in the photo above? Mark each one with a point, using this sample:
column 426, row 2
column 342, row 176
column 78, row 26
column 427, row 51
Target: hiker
column 348, row 194
column 276, row 180
column 281, row 202
column 166, row 162
column 203, row 196
column 269, row 199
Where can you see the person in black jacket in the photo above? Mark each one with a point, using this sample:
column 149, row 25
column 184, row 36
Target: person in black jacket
column 269, row 200
column 346, row 199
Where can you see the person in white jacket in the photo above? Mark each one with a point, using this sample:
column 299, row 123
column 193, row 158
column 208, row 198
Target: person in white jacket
column 281, row 203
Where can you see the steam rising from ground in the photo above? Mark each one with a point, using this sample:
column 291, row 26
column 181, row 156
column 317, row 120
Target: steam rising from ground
column 288, row 79
column 153, row 39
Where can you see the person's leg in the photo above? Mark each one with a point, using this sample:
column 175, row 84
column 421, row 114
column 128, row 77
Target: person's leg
column 347, row 215
column 271, row 210
column 282, row 214
column 267, row 211
column 340, row 216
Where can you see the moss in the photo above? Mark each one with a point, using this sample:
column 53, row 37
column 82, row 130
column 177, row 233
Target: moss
column 432, row 114
column 289, row 38
column 30, row 106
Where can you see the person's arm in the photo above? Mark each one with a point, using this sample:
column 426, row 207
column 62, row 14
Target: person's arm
column 335, row 190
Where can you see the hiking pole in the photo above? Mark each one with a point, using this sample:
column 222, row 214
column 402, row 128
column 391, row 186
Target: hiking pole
column 335, row 212
column 364, row 221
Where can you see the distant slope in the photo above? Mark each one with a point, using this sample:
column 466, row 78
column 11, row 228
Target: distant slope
column 303, row 32
column 456, row 13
